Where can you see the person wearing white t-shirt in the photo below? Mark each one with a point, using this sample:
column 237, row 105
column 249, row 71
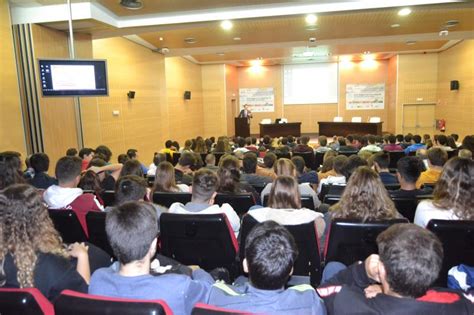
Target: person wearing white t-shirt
column 204, row 188
column 453, row 194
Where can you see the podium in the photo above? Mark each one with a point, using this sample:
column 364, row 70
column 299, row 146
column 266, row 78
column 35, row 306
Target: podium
column 242, row 127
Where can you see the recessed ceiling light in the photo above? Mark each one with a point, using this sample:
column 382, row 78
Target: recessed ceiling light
column 226, row 25
column 404, row 12
column 395, row 25
column 366, row 52
column 131, row 4
column 190, row 40
column 410, row 42
column 161, row 38
column 257, row 62
column 311, row 19
column 237, row 38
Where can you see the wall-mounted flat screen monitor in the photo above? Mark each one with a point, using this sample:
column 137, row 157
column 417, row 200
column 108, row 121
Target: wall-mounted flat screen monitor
column 62, row 77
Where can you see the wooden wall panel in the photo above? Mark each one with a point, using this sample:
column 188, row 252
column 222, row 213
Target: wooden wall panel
column 12, row 133
column 141, row 121
column 417, row 82
column 214, row 100
column 232, row 97
column 57, row 113
column 185, row 118
column 457, row 107
column 392, row 94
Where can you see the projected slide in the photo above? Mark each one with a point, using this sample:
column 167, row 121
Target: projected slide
column 73, row 77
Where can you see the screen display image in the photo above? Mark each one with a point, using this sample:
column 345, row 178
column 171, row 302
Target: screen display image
column 73, row 77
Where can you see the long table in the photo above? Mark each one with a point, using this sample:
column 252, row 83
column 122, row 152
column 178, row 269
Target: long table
column 281, row 130
column 330, row 128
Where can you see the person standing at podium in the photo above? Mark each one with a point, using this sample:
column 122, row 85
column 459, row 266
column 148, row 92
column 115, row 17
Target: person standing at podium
column 246, row 113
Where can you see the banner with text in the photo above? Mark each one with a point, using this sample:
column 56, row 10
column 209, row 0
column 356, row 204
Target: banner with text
column 258, row 99
column 365, row 96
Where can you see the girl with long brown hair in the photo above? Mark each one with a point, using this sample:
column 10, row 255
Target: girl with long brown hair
column 31, row 251
column 284, row 167
column 229, row 177
column 284, row 206
column 452, row 196
column 165, row 179
column 364, row 198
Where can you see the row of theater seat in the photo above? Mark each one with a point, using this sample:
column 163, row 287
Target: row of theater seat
column 208, row 240
column 30, row 301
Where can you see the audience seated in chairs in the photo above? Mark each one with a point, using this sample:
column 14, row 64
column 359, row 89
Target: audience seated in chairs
column 40, row 164
column 204, row 189
column 381, row 162
column 392, row 144
column 303, row 146
column 157, row 159
column 287, row 168
column 183, row 170
column 284, row 206
column 323, row 145
column 337, row 168
column 90, row 182
column 211, row 162
column 408, row 170
column 405, row 269
column 133, row 155
column 267, row 170
column 132, row 230
column 31, row 251
column 304, row 175
column 229, row 178
column 371, row 146
column 66, row 194
column 415, row 145
column 10, row 169
column 249, row 169
column 108, row 173
column 165, row 179
column 437, row 157
column 270, row 252
column 452, row 196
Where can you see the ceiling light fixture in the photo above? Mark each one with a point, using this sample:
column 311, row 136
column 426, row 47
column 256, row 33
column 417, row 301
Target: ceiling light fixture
column 404, row 12
column 395, row 25
column 226, row 25
column 257, row 62
column 311, row 19
column 131, row 4
column 366, row 52
column 161, row 38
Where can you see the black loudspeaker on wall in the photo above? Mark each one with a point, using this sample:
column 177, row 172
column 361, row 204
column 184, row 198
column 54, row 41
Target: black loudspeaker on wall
column 131, row 94
column 187, row 95
column 454, row 85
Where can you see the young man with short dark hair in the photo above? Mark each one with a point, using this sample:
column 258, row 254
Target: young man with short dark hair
column 268, row 160
column 392, row 144
column 437, row 157
column 396, row 281
column 303, row 175
column 132, row 230
column 204, row 186
column 270, row 253
column 416, row 145
column 381, row 163
column 183, row 170
column 86, row 154
column 40, row 163
column 323, row 145
column 133, row 155
column 408, row 170
column 303, row 146
column 66, row 195
column 249, row 166
column 371, row 146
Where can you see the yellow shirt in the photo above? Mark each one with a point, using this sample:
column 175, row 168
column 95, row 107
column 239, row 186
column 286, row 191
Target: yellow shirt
column 430, row 176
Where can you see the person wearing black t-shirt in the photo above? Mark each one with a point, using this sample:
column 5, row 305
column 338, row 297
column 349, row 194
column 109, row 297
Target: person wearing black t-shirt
column 408, row 170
